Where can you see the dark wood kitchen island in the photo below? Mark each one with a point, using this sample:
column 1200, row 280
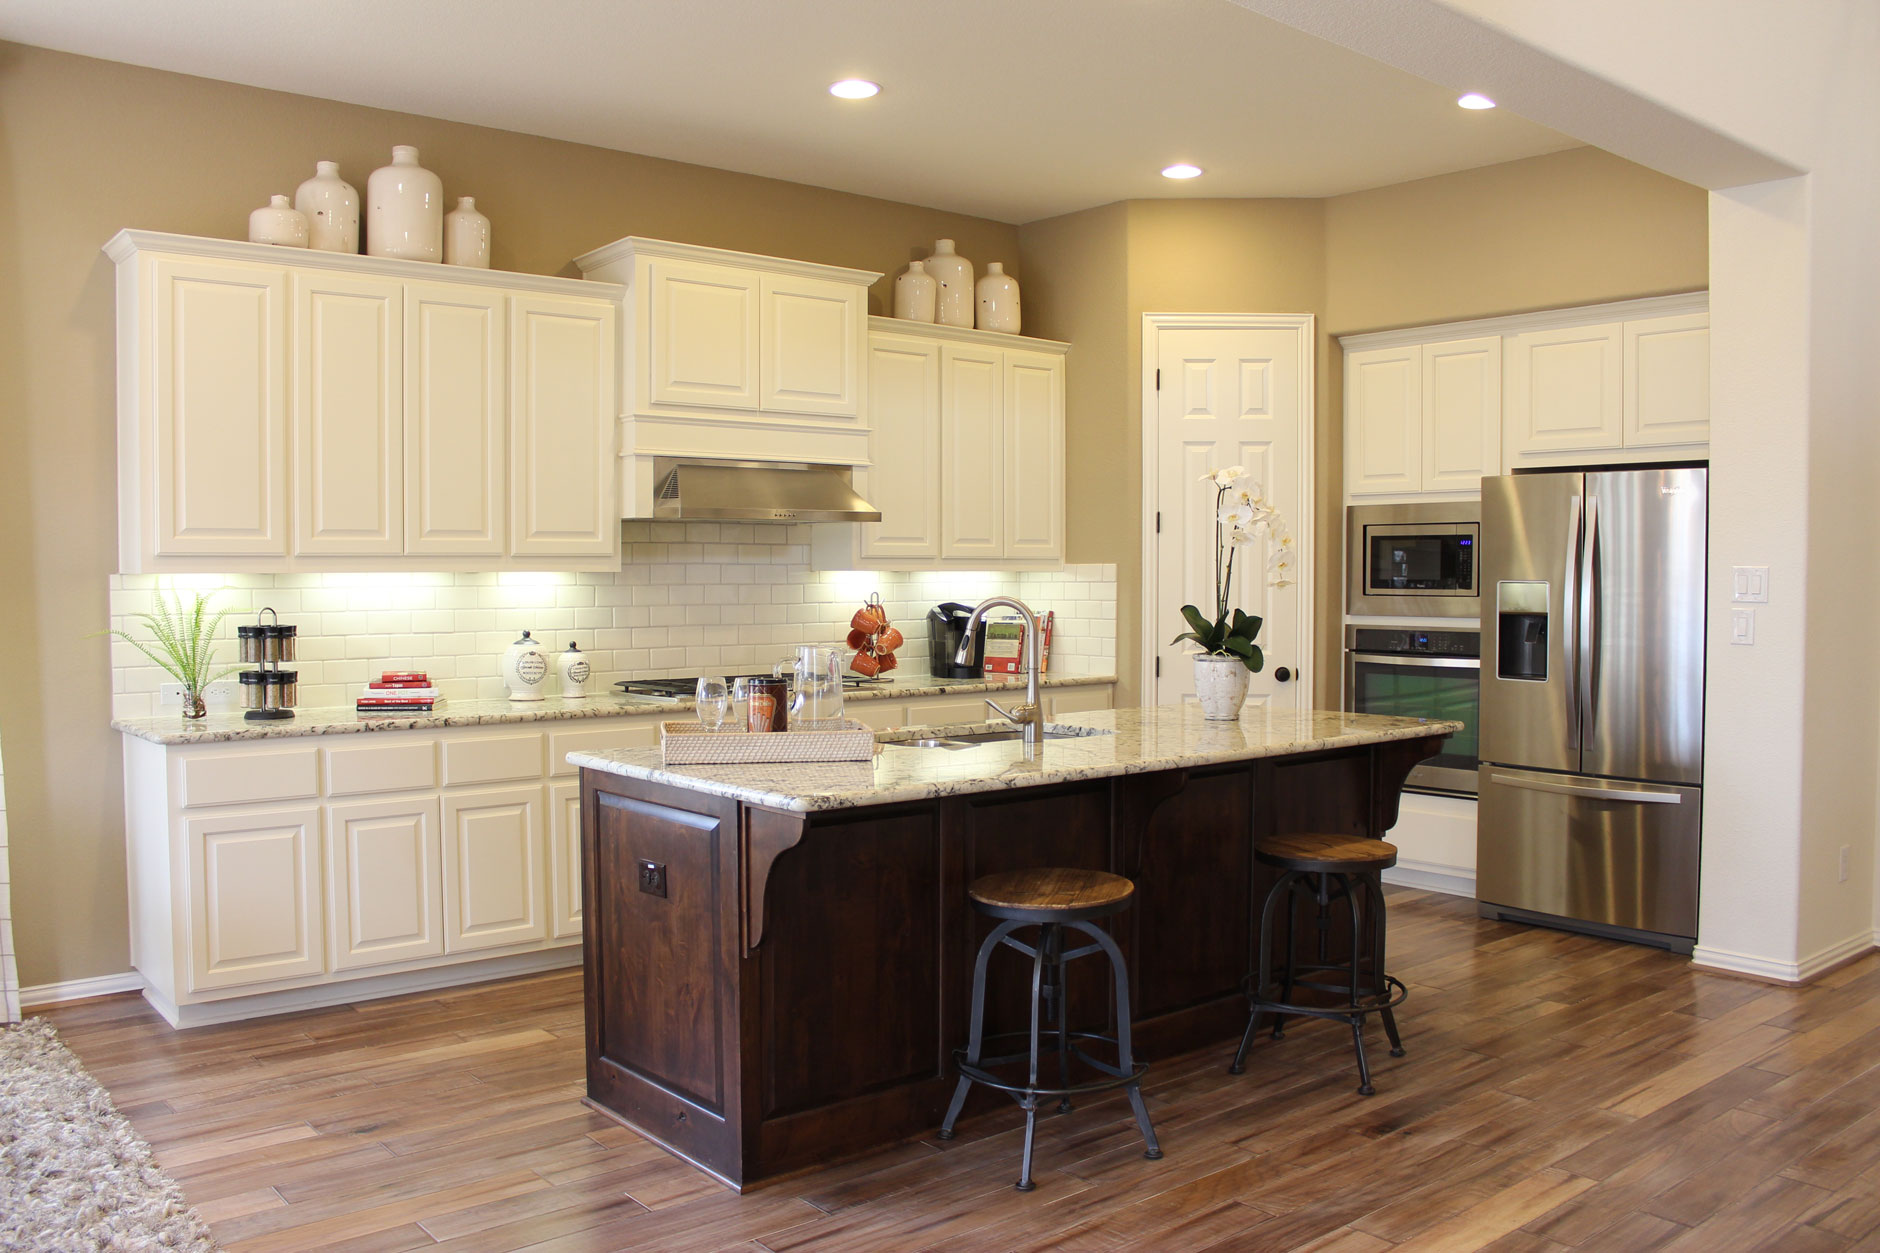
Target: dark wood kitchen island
column 778, row 957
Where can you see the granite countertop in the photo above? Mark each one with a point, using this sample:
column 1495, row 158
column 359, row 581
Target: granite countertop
column 1101, row 744
column 229, row 724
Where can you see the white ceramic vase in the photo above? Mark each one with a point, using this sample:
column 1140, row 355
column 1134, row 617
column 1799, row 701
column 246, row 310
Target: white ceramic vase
column 997, row 294
column 332, row 209
column 405, row 209
column 1220, row 686
column 467, row 235
column 277, row 222
column 915, row 294
column 954, row 275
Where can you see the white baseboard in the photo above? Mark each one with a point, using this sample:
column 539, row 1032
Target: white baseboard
column 1428, row 877
column 1781, row 971
column 80, row 989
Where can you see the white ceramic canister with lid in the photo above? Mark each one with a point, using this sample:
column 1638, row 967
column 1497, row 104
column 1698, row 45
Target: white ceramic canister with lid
column 525, row 669
column 574, row 670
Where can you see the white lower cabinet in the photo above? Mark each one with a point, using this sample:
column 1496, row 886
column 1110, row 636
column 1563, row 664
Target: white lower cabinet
column 564, row 851
column 494, row 853
column 254, row 897
column 384, row 882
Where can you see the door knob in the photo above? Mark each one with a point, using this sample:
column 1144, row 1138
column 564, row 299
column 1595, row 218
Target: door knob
column 1282, row 674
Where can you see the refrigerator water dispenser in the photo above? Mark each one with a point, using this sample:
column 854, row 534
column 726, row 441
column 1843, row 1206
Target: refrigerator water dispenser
column 1521, row 631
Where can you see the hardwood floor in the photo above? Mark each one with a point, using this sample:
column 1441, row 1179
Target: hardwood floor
column 1559, row 1092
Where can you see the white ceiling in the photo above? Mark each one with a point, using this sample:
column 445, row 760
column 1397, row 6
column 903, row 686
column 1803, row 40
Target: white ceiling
column 1010, row 109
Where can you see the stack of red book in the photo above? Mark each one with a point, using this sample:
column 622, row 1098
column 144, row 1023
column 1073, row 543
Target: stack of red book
column 400, row 692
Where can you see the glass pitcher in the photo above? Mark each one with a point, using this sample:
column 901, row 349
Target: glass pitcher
column 816, row 677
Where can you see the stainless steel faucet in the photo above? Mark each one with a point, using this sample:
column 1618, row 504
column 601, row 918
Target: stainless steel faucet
column 1029, row 716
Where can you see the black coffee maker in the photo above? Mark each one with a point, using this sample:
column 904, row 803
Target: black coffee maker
column 946, row 627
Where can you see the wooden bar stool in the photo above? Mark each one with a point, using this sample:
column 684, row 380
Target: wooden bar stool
column 1326, row 869
column 1054, row 901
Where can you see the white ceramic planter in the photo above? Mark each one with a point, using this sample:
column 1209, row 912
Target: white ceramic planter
column 332, row 209
column 1220, row 686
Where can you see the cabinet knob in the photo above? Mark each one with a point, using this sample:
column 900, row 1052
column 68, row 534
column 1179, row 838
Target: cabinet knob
column 1282, row 674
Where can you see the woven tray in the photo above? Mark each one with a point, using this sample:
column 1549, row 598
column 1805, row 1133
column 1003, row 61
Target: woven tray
column 690, row 744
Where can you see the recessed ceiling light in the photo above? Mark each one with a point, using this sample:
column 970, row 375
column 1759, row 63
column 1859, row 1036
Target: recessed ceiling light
column 1476, row 100
column 854, row 89
column 1182, row 170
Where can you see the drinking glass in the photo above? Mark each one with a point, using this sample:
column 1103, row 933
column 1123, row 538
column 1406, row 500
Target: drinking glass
column 714, row 701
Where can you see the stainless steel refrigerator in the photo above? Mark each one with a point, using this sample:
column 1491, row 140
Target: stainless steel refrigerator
column 1592, row 718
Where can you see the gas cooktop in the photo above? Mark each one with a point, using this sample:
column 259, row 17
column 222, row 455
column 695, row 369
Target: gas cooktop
column 685, row 688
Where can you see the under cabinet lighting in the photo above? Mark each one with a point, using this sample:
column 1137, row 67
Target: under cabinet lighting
column 1476, row 100
column 854, row 89
column 1181, row 170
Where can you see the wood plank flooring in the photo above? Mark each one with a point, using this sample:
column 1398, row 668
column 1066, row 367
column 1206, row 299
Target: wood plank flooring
column 1560, row 1092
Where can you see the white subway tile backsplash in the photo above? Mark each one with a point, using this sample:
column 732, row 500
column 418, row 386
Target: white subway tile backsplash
column 733, row 596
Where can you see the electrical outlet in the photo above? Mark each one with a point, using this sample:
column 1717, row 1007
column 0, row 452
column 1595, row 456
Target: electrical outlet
column 1846, row 852
column 215, row 694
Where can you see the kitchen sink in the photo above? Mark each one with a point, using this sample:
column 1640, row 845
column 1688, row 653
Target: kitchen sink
column 969, row 739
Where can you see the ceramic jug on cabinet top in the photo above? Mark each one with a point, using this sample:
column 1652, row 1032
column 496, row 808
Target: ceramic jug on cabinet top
column 405, row 209
column 332, row 209
column 998, row 300
column 954, row 274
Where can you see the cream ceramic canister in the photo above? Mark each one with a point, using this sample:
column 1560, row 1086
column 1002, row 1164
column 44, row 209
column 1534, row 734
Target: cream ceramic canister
column 574, row 670
column 405, row 209
column 954, row 275
column 998, row 300
column 525, row 669
column 277, row 222
column 332, row 209
column 915, row 294
column 467, row 235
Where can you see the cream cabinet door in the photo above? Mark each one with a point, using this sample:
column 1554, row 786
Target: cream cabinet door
column 1034, row 455
column 1667, row 381
column 493, row 861
column 564, row 820
column 254, row 897
column 561, row 427
column 1384, row 421
column 904, row 440
column 1566, row 391
column 972, row 452
column 811, row 334
column 349, row 439
column 219, row 370
column 702, row 335
column 385, row 883
column 1461, row 413
column 456, row 452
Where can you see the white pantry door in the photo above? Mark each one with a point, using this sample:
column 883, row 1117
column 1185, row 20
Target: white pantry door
column 1232, row 390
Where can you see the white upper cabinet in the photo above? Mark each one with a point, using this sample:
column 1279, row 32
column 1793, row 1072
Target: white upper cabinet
column 413, row 414
column 904, row 421
column 972, row 452
column 1034, row 455
column 735, row 356
column 1430, row 410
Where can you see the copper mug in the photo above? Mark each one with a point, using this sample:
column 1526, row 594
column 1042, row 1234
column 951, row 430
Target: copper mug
column 770, row 705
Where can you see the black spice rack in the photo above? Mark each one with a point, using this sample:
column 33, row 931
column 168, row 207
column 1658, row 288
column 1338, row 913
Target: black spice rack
column 268, row 692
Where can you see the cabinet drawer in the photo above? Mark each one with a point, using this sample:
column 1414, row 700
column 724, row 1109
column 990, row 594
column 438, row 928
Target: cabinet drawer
column 630, row 735
column 247, row 776
column 376, row 768
column 500, row 759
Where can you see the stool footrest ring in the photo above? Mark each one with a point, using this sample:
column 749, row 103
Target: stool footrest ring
column 1113, row 1077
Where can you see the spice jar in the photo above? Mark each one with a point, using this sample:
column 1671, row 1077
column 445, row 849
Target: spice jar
column 253, row 682
column 289, row 637
column 279, row 689
column 770, row 705
column 250, row 638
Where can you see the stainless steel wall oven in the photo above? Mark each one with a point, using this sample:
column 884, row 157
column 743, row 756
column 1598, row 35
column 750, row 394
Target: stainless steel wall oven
column 1413, row 673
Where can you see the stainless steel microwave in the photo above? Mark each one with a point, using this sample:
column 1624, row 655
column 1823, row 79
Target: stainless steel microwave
column 1413, row 561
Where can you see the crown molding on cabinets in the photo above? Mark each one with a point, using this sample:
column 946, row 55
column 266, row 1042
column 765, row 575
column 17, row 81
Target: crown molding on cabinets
column 640, row 246
column 963, row 335
column 1542, row 320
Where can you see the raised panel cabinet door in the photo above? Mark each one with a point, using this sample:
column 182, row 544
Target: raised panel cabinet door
column 564, row 851
column 494, row 855
column 456, row 445
column 220, row 376
column 811, row 333
column 1384, row 421
column 972, row 452
column 254, row 898
column 1461, row 413
column 1034, row 455
column 561, row 427
column 702, row 335
column 904, row 442
column 384, row 882
column 1566, row 391
column 349, row 437
column 1667, row 381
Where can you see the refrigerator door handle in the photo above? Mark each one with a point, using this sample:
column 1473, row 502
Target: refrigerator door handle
column 1570, row 620
column 1630, row 793
column 1585, row 673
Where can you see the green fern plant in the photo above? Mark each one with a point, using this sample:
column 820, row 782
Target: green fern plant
column 184, row 639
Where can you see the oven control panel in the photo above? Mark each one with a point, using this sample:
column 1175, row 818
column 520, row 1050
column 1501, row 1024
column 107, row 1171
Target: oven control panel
column 1417, row 643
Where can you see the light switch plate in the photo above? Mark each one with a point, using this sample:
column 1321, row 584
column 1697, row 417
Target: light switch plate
column 1742, row 626
column 1749, row 585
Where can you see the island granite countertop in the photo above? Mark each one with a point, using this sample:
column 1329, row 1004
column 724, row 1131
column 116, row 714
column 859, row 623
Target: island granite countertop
column 1101, row 743
column 229, row 724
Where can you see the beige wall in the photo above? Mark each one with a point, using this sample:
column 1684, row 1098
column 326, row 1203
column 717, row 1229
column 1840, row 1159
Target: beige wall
column 88, row 147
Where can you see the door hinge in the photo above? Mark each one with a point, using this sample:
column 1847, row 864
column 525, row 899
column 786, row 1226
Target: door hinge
column 1158, row 522
column 1158, row 667
column 1158, row 380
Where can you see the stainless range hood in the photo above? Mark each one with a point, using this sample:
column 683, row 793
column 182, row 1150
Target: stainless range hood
column 755, row 491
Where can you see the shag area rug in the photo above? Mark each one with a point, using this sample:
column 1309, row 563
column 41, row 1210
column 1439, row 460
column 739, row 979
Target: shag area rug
column 74, row 1175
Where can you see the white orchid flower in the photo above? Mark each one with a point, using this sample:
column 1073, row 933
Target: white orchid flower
column 1224, row 478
